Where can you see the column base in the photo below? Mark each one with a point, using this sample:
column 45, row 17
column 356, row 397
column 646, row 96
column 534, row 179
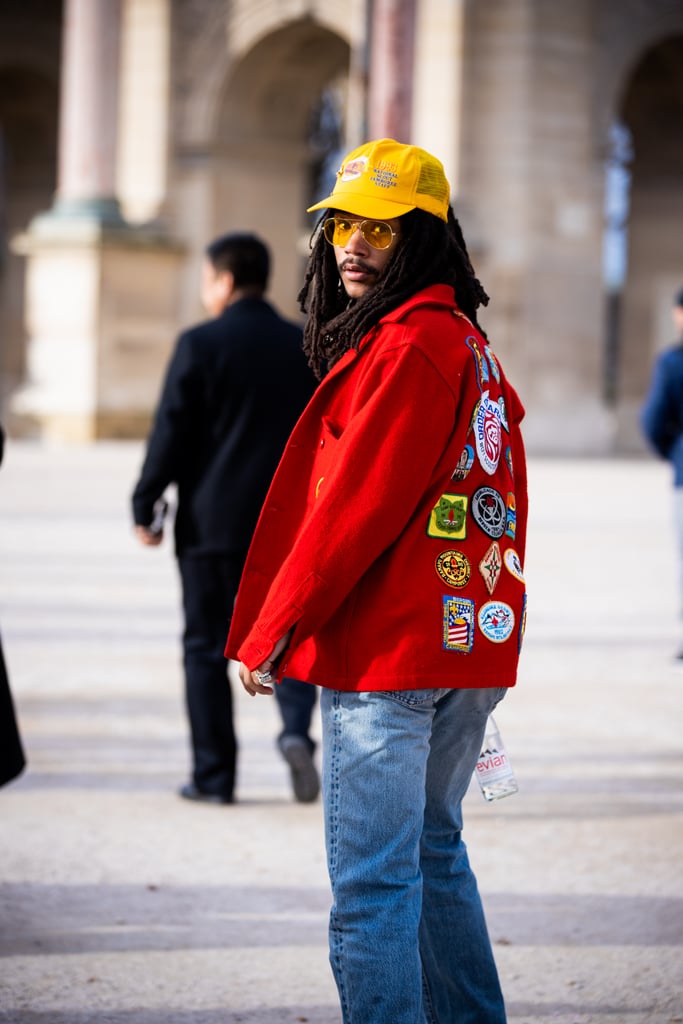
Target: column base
column 101, row 310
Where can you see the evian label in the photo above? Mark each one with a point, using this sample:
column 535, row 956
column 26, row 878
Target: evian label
column 492, row 766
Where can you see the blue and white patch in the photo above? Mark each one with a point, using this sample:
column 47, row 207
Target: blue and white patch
column 522, row 627
column 458, row 624
column 513, row 564
column 488, row 511
column 496, row 621
column 493, row 363
column 465, row 463
column 503, row 413
column 487, row 433
column 482, row 366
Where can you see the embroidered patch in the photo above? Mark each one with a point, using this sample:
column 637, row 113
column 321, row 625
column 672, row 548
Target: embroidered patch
column 511, row 516
column 522, row 626
column 353, row 169
column 490, row 566
column 496, row 621
column 487, row 433
column 448, row 518
column 503, row 413
column 473, row 419
column 458, row 624
column 465, row 463
column 493, row 363
column 488, row 511
column 453, row 568
column 482, row 366
column 513, row 564
column 508, row 461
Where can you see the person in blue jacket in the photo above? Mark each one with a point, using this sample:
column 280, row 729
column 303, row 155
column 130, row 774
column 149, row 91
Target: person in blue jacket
column 235, row 386
column 662, row 423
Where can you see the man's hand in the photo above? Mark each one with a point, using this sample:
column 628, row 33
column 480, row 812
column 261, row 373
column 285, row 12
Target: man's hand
column 253, row 682
column 150, row 538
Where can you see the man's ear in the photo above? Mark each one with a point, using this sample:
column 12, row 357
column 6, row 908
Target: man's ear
column 225, row 285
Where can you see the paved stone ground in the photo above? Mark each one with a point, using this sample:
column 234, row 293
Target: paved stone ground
column 122, row 904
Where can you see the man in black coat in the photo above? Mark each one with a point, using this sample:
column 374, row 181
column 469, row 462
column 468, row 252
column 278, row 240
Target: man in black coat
column 234, row 389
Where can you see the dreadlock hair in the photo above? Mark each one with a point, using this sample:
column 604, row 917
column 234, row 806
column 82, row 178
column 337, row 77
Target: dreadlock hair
column 430, row 252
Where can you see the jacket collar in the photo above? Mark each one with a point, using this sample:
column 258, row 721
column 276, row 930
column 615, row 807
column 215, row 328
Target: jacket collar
column 434, row 295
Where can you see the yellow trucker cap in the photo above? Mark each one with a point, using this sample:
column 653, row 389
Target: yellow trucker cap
column 385, row 179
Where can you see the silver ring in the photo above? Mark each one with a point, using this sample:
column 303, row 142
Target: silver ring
column 263, row 677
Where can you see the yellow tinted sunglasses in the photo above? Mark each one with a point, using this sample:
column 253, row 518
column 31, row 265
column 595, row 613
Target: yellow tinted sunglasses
column 377, row 233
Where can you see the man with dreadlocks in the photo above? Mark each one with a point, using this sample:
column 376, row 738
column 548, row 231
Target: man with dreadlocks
column 387, row 569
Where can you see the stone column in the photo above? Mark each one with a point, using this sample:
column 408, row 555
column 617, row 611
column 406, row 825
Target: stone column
column 89, row 110
column 101, row 295
column 437, row 100
column 390, row 93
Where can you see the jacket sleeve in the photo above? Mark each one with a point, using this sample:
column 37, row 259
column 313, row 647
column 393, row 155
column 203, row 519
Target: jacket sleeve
column 170, row 440
column 379, row 470
column 660, row 418
column 521, row 487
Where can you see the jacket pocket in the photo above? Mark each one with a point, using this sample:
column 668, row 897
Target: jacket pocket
column 330, row 433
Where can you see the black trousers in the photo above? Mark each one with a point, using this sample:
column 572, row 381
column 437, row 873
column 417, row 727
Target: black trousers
column 209, row 586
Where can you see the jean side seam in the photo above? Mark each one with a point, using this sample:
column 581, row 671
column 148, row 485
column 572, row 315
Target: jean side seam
column 338, row 950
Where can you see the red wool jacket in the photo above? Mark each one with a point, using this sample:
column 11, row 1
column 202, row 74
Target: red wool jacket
column 392, row 538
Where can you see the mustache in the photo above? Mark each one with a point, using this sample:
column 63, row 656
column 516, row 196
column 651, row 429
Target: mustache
column 353, row 261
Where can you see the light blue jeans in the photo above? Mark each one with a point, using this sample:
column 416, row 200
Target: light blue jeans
column 408, row 939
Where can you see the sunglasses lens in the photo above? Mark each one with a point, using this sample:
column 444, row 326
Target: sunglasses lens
column 377, row 233
column 338, row 230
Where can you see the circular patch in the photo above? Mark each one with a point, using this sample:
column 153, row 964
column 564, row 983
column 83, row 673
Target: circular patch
column 453, row 568
column 487, row 433
column 496, row 621
column 488, row 511
column 465, row 463
column 513, row 564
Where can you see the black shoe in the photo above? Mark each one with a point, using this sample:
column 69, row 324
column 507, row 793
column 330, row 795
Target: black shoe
column 190, row 792
column 297, row 754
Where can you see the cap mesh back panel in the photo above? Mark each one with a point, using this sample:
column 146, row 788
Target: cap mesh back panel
column 431, row 181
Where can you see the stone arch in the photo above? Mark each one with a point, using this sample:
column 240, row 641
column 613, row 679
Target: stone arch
column 255, row 158
column 651, row 106
column 212, row 46
column 628, row 30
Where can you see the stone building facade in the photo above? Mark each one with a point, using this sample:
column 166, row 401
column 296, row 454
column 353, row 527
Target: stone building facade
column 133, row 131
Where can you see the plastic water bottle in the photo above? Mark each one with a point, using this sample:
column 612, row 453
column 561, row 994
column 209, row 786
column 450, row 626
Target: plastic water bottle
column 493, row 771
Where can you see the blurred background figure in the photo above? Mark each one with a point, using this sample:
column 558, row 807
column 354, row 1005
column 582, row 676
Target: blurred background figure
column 12, row 759
column 662, row 422
column 234, row 388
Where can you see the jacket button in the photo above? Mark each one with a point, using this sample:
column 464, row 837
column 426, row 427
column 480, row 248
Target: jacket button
column 322, row 442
